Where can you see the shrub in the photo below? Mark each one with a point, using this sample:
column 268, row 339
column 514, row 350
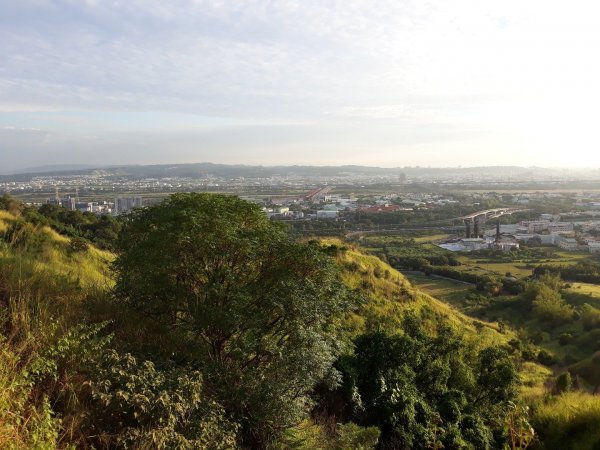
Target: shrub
column 139, row 406
column 546, row 358
column 377, row 272
column 563, row 383
column 78, row 245
column 549, row 306
column 421, row 391
column 590, row 316
column 565, row 338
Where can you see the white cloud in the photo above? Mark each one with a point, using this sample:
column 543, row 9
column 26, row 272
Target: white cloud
column 494, row 73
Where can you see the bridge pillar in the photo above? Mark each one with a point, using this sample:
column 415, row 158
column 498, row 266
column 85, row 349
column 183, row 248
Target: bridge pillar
column 475, row 228
column 467, row 228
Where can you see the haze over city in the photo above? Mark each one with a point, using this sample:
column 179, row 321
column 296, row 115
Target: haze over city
column 388, row 83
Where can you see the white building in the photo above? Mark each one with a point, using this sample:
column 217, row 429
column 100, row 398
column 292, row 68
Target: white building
column 467, row 245
column 548, row 238
column 594, row 247
column 472, row 244
column 560, row 227
column 506, row 244
column 568, row 244
column 534, row 226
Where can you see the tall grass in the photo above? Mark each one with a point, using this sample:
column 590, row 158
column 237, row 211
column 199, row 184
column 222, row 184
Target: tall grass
column 43, row 288
column 570, row 421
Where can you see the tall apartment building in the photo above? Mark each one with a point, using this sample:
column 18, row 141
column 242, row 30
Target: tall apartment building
column 123, row 205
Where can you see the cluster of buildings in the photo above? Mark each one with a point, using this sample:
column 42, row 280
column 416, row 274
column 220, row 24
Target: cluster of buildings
column 121, row 205
column 321, row 204
column 318, row 204
column 547, row 230
column 503, row 243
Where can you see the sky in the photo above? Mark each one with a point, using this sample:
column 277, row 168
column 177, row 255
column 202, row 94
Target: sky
column 376, row 82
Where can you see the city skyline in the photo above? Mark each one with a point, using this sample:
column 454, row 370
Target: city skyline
column 460, row 83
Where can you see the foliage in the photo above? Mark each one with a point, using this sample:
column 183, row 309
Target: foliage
column 102, row 230
column 520, row 432
column 309, row 435
column 256, row 309
column 546, row 358
column 564, row 383
column 583, row 271
column 549, row 306
column 8, row 203
column 565, row 338
column 136, row 405
column 590, row 316
column 423, row 391
column 78, row 244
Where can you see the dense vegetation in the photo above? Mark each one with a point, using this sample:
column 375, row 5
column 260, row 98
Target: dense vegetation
column 212, row 327
column 584, row 271
column 85, row 227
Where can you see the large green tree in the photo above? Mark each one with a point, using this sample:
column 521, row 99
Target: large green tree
column 428, row 391
column 255, row 310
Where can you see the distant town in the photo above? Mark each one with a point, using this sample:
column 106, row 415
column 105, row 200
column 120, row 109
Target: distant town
column 491, row 208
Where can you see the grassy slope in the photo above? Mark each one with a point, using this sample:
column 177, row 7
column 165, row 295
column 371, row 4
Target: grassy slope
column 43, row 284
column 390, row 294
column 52, row 271
column 570, row 421
column 49, row 254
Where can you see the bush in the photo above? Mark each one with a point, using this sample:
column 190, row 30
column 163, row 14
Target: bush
column 537, row 337
column 515, row 344
column 78, row 245
column 529, row 354
column 563, row 383
column 414, row 387
column 139, row 406
column 590, row 316
column 377, row 272
column 549, row 306
column 565, row 338
column 546, row 358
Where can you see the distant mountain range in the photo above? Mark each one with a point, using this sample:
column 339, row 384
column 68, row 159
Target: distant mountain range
column 198, row 170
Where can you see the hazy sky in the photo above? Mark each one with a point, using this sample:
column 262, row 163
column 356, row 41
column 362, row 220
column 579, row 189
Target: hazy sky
column 389, row 83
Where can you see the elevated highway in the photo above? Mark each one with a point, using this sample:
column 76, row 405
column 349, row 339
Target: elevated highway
column 471, row 221
column 475, row 219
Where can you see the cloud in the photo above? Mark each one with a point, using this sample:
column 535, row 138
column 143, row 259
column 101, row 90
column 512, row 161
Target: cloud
column 456, row 70
column 209, row 57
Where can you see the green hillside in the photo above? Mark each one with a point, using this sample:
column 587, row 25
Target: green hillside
column 66, row 334
column 45, row 281
column 390, row 295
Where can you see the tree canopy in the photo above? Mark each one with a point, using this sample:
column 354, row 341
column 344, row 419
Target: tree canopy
column 256, row 310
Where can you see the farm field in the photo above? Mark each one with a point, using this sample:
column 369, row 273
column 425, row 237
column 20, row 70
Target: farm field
column 521, row 267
